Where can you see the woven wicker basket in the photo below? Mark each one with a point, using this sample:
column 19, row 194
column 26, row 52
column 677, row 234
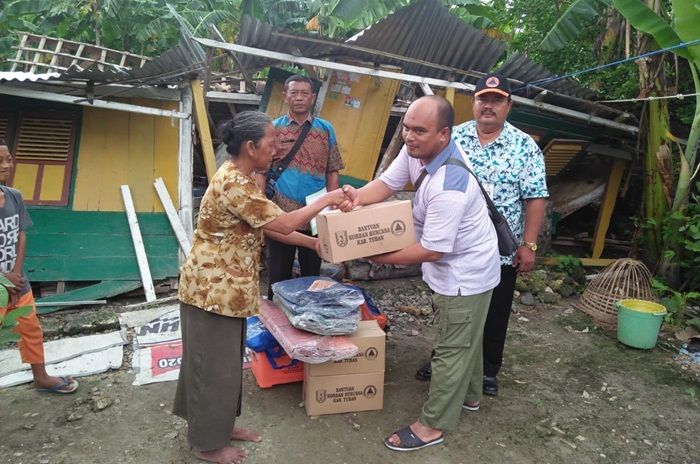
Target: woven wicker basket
column 625, row 278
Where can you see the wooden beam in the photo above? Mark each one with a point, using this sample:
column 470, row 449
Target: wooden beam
column 110, row 105
column 392, row 150
column 450, row 95
column 202, row 121
column 175, row 223
column 607, row 207
column 185, row 166
column 323, row 91
column 139, row 248
column 40, row 304
column 232, row 97
column 591, row 262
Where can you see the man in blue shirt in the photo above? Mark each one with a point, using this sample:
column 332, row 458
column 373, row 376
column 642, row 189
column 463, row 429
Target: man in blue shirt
column 314, row 166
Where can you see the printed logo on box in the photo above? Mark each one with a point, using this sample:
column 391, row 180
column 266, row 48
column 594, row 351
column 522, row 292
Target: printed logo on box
column 398, row 227
column 370, row 391
column 321, row 396
column 371, row 353
column 341, row 238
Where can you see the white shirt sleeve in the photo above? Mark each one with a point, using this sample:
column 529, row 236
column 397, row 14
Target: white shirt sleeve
column 398, row 174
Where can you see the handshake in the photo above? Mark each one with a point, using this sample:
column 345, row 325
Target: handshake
column 345, row 199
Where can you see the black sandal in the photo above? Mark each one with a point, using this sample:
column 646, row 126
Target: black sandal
column 410, row 441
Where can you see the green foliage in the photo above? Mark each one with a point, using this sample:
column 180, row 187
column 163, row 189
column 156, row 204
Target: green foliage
column 145, row 27
column 674, row 301
column 645, row 20
column 572, row 23
column 681, row 233
column 567, row 263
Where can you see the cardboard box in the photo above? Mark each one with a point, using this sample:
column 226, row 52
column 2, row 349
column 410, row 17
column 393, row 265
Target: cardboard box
column 366, row 231
column 371, row 340
column 331, row 394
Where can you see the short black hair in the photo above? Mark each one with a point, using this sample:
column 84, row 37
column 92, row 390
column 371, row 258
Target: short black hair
column 246, row 125
column 298, row 78
column 445, row 112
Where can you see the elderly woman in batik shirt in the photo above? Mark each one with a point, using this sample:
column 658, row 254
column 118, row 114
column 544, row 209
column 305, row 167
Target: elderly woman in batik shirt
column 219, row 286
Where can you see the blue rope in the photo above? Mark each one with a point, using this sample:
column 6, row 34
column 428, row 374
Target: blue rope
column 608, row 65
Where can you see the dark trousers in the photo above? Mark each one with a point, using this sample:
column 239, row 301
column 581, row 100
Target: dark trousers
column 280, row 260
column 497, row 321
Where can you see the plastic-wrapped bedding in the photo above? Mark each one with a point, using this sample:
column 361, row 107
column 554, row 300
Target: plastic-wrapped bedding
column 302, row 345
column 315, row 322
column 320, row 305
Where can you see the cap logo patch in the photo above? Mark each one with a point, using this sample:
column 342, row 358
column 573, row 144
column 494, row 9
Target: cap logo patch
column 492, row 81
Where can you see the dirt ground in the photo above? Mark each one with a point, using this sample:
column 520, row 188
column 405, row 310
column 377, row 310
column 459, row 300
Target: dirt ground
column 569, row 393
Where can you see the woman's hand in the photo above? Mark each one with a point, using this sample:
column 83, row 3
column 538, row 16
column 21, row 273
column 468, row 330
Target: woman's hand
column 352, row 197
column 336, row 198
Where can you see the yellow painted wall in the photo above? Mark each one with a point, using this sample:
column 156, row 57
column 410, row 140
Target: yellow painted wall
column 119, row 148
column 25, row 179
column 463, row 106
column 359, row 131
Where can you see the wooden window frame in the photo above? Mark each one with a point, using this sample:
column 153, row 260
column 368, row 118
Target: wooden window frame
column 68, row 162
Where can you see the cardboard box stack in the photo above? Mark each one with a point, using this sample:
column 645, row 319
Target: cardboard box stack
column 353, row 384
column 365, row 231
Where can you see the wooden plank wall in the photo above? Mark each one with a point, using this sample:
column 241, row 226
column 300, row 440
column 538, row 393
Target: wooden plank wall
column 93, row 246
column 360, row 131
column 119, row 148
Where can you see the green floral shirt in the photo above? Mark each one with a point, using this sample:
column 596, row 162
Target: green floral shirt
column 221, row 272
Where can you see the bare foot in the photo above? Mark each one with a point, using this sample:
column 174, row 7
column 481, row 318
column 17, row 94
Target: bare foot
column 241, row 434
column 225, row 455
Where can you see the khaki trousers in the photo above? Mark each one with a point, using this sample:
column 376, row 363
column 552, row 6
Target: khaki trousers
column 457, row 365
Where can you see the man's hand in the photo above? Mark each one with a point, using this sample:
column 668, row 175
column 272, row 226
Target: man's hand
column 317, row 246
column 352, row 199
column 16, row 278
column 524, row 259
column 335, row 198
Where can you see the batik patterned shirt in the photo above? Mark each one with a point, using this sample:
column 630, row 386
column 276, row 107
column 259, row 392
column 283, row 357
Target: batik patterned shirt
column 511, row 169
column 221, row 271
column 306, row 173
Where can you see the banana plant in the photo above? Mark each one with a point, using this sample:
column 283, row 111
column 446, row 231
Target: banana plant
column 683, row 28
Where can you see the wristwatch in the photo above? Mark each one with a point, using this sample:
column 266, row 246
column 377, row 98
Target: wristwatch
column 530, row 246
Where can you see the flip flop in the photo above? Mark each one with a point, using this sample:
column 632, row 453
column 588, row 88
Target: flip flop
column 471, row 407
column 71, row 384
column 410, row 441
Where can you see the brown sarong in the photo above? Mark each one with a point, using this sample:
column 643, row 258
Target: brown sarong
column 208, row 392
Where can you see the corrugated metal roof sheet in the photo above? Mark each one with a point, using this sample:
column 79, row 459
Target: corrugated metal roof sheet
column 184, row 60
column 424, row 31
column 17, row 76
column 427, row 31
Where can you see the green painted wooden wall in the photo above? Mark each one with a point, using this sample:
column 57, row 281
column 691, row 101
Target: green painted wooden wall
column 93, row 246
